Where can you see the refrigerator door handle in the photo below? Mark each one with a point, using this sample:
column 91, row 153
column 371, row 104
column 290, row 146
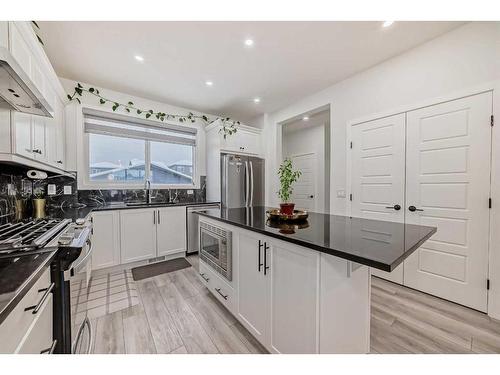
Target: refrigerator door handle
column 247, row 184
column 251, row 184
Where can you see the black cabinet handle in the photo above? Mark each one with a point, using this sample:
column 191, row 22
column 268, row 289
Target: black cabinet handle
column 51, row 349
column 396, row 207
column 159, row 217
column 38, row 306
column 220, row 293
column 260, row 261
column 204, row 277
column 413, row 209
column 266, row 267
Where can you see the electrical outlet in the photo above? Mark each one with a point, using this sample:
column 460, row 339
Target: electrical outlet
column 340, row 193
column 51, row 189
column 190, row 192
column 67, row 190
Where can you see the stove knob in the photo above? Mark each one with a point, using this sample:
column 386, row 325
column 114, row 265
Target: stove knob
column 80, row 221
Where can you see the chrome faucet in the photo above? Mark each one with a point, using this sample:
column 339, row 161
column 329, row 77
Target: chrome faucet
column 147, row 188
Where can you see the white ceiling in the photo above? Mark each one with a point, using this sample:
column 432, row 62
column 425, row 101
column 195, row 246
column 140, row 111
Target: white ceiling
column 288, row 61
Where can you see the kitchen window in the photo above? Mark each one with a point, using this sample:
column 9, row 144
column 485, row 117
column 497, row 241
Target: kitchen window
column 125, row 152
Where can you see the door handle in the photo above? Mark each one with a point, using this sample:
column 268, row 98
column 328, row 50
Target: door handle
column 204, row 277
column 413, row 209
column 38, row 306
column 221, row 294
column 266, row 267
column 51, row 349
column 154, row 216
column 159, row 217
column 396, row 207
column 260, row 261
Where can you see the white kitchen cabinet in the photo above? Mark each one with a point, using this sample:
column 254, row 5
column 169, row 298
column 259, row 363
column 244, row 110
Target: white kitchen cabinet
column 137, row 234
column 38, row 338
column 253, row 287
column 40, row 137
column 243, row 141
column 294, row 275
column 23, row 137
column 171, row 230
column 106, row 239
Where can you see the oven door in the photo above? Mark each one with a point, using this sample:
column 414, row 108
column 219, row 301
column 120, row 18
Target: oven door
column 213, row 247
column 79, row 277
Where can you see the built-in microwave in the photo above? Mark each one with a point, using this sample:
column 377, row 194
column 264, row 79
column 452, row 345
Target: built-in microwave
column 216, row 248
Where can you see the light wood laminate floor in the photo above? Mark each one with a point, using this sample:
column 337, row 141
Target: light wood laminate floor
column 177, row 314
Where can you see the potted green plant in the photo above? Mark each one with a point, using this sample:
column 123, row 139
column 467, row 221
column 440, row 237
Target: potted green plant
column 287, row 178
column 39, row 203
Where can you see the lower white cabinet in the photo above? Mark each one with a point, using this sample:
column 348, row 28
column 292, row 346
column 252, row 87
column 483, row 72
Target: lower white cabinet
column 278, row 289
column 138, row 234
column 171, row 230
column 131, row 235
column 106, row 239
column 253, row 287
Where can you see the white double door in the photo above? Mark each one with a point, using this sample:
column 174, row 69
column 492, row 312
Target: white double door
column 434, row 165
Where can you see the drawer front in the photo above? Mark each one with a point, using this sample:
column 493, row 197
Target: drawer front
column 38, row 338
column 218, row 287
column 14, row 328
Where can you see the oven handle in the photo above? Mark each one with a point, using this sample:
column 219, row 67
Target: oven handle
column 72, row 269
column 86, row 323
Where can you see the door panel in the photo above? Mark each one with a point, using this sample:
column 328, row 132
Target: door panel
column 234, row 177
column 252, row 288
column 257, row 166
column 138, row 234
column 295, row 288
column 171, row 230
column 24, row 136
column 448, row 177
column 304, row 190
column 377, row 174
column 106, row 239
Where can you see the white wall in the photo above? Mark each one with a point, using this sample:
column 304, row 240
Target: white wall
column 75, row 148
column 309, row 137
column 463, row 60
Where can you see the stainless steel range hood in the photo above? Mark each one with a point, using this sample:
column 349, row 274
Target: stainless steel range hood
column 17, row 90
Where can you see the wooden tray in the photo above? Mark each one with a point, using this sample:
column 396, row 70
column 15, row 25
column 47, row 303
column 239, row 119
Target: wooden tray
column 276, row 215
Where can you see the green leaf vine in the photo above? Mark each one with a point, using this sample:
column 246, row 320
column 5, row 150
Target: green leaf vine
column 228, row 125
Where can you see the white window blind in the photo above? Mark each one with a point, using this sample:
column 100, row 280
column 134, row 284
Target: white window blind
column 98, row 122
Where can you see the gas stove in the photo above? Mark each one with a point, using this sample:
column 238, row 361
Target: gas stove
column 25, row 236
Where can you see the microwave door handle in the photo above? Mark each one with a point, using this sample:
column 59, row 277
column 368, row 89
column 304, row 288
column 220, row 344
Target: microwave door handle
column 251, row 184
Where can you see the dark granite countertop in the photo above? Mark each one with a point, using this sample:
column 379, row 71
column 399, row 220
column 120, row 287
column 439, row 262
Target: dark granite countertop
column 82, row 213
column 378, row 244
column 18, row 274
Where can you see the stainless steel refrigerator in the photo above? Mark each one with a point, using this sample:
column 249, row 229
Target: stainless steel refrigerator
column 242, row 181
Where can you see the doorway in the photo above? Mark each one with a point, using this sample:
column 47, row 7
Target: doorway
column 305, row 139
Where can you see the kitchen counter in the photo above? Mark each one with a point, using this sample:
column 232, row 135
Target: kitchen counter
column 378, row 244
column 18, row 274
column 83, row 212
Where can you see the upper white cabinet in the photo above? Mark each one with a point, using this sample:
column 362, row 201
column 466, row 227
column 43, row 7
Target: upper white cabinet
column 138, row 234
column 246, row 140
column 171, row 230
column 34, row 138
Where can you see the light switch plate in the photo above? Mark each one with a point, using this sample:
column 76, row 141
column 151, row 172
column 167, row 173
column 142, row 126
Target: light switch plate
column 190, row 192
column 341, row 193
column 51, row 189
column 67, row 190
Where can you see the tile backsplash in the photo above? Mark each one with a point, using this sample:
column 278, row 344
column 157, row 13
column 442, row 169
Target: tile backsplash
column 14, row 185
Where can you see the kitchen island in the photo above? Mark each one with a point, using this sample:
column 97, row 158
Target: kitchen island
column 305, row 287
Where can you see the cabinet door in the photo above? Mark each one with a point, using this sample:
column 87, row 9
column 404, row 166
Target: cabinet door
column 294, row 274
column 249, row 142
column 106, row 239
column 137, row 234
column 40, row 138
column 171, row 230
column 253, row 288
column 23, row 134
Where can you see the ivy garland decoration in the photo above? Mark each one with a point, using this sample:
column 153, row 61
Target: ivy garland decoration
column 228, row 125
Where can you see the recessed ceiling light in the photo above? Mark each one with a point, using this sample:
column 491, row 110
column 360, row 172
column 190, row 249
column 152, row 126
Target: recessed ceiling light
column 139, row 58
column 305, row 118
column 209, row 83
column 256, row 100
column 249, row 42
column 387, row 23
